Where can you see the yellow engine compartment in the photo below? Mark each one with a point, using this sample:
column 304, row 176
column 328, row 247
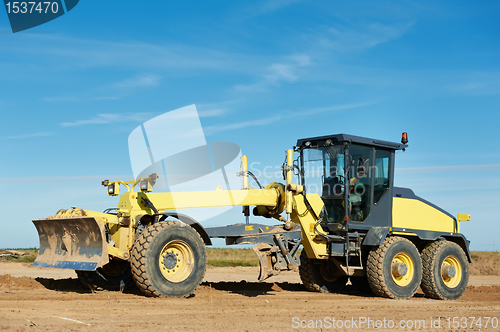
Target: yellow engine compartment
column 416, row 214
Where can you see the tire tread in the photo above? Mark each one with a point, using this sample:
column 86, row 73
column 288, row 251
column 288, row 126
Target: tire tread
column 374, row 268
column 429, row 259
column 306, row 273
column 138, row 257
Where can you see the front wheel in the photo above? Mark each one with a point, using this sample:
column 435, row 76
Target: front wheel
column 445, row 270
column 394, row 269
column 168, row 260
column 320, row 275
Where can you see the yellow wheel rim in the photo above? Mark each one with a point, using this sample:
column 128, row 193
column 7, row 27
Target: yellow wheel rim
column 403, row 258
column 176, row 261
column 451, row 281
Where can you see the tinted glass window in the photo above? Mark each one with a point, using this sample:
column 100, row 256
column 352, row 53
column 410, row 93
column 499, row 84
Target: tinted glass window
column 381, row 173
column 360, row 181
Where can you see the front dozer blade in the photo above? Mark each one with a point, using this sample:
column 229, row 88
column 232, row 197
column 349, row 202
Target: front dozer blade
column 71, row 243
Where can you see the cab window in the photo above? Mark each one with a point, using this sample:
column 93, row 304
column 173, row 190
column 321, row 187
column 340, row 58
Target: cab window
column 360, row 181
column 381, row 174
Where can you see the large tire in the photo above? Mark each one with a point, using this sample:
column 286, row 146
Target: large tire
column 394, row 269
column 437, row 281
column 114, row 276
column 168, row 260
column 317, row 275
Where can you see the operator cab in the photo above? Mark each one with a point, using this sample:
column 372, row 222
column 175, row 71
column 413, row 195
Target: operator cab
column 345, row 168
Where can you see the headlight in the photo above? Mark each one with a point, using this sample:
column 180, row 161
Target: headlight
column 114, row 189
column 146, row 186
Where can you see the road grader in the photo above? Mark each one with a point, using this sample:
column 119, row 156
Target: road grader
column 344, row 220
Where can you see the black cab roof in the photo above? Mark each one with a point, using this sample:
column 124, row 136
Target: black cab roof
column 342, row 138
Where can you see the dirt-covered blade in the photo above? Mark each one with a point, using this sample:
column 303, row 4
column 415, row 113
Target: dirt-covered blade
column 71, row 243
column 263, row 251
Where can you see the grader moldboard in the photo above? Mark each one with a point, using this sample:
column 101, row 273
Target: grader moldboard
column 351, row 222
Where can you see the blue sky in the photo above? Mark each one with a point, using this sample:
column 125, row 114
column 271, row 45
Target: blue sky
column 263, row 73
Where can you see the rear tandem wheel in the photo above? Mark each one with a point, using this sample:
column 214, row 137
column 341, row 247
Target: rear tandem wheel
column 445, row 270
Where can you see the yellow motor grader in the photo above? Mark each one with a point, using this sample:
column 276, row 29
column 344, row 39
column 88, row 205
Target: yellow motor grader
column 345, row 212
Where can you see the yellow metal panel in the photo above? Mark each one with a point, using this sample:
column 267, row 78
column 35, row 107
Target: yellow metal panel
column 244, row 169
column 120, row 236
column 128, row 201
column 216, row 198
column 415, row 214
column 463, row 217
column 314, row 249
column 121, row 253
column 404, row 233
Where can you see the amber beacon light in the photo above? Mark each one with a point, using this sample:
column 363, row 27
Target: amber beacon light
column 404, row 138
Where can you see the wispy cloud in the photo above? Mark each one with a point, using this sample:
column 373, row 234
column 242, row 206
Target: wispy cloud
column 269, row 6
column 144, row 81
column 211, row 112
column 337, row 107
column 109, row 118
column 262, row 72
column 112, row 91
column 276, row 73
column 105, row 118
column 451, row 168
column 424, row 185
column 80, row 98
column 209, row 130
column 31, row 135
column 88, row 53
column 216, row 108
column 61, row 179
column 477, row 83
column 343, row 38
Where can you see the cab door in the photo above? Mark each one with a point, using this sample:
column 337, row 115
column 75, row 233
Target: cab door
column 377, row 212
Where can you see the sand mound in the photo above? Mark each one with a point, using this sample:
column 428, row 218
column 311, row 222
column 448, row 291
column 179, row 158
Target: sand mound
column 9, row 282
column 482, row 266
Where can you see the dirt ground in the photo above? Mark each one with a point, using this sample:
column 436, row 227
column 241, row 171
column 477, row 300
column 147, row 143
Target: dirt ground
column 230, row 299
